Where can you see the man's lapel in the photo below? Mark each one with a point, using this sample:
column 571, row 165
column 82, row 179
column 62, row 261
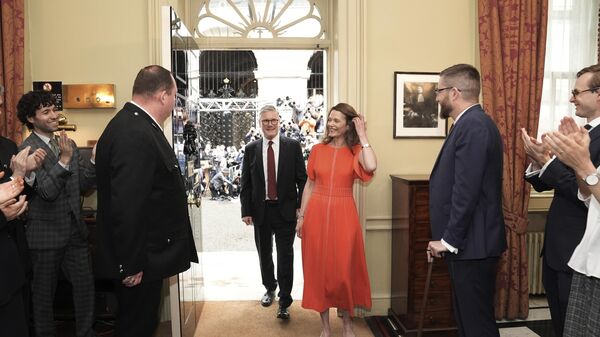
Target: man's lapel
column 259, row 159
column 448, row 139
column 282, row 159
column 595, row 134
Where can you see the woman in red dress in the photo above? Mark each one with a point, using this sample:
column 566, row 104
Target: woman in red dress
column 333, row 254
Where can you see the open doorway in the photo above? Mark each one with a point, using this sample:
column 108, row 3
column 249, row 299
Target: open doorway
column 228, row 88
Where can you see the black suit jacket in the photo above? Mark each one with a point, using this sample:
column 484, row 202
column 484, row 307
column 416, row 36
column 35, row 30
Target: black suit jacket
column 567, row 215
column 12, row 236
column 143, row 221
column 291, row 177
column 465, row 189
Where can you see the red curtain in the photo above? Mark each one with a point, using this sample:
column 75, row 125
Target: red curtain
column 512, row 44
column 12, row 65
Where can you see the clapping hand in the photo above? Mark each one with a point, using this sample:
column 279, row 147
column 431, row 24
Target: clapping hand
column 570, row 144
column 66, row 148
column 535, row 150
column 34, row 160
column 24, row 162
column 14, row 207
column 18, row 162
column 10, row 189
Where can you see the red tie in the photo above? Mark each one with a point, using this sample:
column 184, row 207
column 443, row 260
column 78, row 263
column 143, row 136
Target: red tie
column 271, row 181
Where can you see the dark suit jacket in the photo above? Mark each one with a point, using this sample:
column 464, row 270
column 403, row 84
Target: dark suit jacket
column 291, row 177
column 465, row 189
column 567, row 216
column 143, row 221
column 56, row 202
column 12, row 276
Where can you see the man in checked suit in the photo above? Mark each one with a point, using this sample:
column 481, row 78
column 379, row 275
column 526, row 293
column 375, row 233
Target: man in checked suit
column 565, row 223
column 56, row 234
column 273, row 177
column 144, row 229
column 465, row 202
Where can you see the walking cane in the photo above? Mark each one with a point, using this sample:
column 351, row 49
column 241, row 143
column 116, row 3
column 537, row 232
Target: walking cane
column 425, row 295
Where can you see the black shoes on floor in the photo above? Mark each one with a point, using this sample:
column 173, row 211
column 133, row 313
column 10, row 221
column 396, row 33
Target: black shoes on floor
column 283, row 313
column 267, row 298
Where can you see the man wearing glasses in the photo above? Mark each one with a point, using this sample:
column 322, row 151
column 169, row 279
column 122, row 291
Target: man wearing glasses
column 273, row 177
column 567, row 214
column 465, row 202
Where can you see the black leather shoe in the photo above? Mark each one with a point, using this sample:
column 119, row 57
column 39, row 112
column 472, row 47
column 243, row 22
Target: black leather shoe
column 283, row 313
column 267, row 298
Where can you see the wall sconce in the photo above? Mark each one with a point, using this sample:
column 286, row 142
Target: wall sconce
column 62, row 123
column 88, row 96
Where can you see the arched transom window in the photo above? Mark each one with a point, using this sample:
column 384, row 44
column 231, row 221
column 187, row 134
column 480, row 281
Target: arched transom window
column 260, row 19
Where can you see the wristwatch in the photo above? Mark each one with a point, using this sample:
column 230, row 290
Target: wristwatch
column 592, row 179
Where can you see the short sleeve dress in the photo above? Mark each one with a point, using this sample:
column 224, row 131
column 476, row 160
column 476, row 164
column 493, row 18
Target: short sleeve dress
column 333, row 254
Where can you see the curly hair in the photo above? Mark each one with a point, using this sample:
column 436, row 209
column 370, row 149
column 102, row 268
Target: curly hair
column 32, row 101
column 351, row 137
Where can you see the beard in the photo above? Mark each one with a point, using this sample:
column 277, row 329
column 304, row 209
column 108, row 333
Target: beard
column 445, row 109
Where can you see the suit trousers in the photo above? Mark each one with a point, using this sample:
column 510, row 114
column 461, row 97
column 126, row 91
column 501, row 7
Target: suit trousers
column 285, row 233
column 557, row 284
column 12, row 316
column 74, row 260
column 137, row 314
column 474, row 288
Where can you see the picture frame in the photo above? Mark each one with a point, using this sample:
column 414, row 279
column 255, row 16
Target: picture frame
column 416, row 112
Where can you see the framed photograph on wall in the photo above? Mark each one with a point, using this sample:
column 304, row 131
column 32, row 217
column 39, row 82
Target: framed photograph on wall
column 416, row 113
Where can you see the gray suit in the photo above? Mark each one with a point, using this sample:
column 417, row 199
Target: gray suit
column 58, row 238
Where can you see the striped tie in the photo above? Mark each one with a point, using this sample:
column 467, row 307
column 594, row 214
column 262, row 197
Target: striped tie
column 54, row 146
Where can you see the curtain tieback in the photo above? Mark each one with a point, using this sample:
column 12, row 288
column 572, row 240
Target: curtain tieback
column 515, row 222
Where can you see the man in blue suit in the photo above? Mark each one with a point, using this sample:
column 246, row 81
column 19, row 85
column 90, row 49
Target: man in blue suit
column 465, row 202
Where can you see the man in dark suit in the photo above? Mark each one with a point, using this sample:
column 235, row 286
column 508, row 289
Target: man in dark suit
column 273, row 177
column 144, row 229
column 13, row 320
column 465, row 201
column 56, row 234
column 565, row 223
column 15, row 301
column 15, row 256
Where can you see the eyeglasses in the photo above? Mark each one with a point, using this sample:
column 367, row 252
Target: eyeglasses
column 437, row 91
column 576, row 92
column 270, row 121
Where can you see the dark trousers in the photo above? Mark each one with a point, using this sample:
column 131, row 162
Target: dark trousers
column 474, row 288
column 74, row 260
column 285, row 232
column 12, row 316
column 137, row 314
column 558, row 287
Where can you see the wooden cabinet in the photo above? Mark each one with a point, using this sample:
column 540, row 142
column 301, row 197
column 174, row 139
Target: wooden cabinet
column 411, row 233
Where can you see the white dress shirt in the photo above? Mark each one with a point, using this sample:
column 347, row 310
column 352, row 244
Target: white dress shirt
column 586, row 257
